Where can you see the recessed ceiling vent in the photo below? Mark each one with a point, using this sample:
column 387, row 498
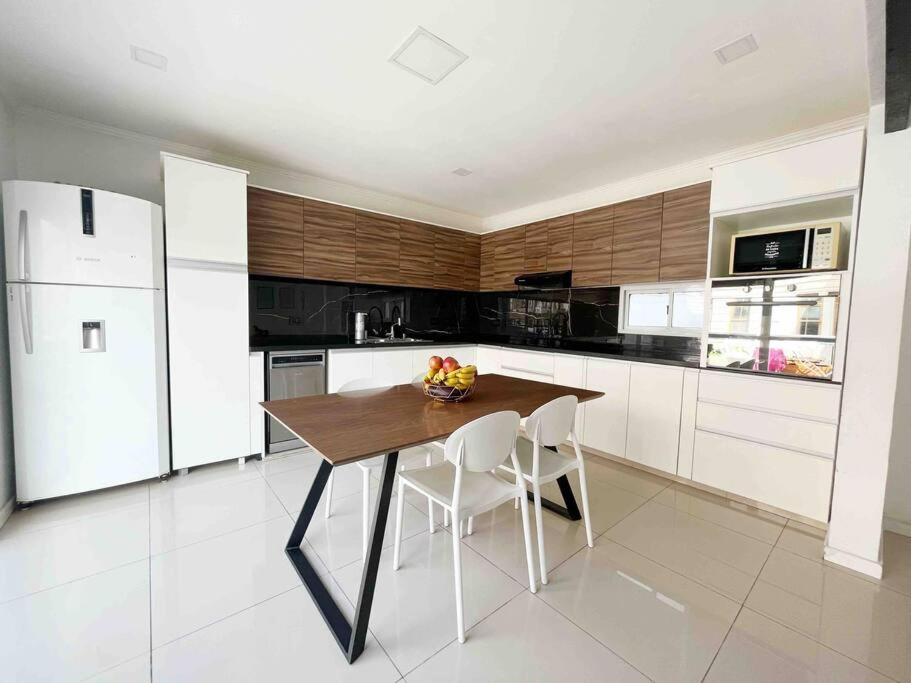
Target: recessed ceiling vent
column 149, row 58
column 737, row 49
column 462, row 171
column 427, row 56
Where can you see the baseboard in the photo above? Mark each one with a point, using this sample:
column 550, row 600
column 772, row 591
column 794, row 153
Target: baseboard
column 7, row 510
column 897, row 526
column 854, row 562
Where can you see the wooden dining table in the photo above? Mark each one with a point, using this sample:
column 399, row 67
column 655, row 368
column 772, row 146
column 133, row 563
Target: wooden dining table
column 347, row 427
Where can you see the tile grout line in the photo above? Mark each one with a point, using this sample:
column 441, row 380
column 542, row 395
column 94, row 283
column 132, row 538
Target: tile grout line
column 149, row 502
column 740, row 609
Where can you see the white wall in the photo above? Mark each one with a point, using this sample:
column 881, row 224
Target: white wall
column 52, row 147
column 7, row 486
column 874, row 349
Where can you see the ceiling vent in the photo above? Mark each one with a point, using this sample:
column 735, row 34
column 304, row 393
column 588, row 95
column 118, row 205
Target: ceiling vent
column 737, row 49
column 427, row 56
column 462, row 171
column 149, row 58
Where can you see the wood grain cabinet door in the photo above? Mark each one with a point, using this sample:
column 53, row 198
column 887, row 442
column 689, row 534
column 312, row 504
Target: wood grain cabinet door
column 329, row 241
column 685, row 233
column 448, row 258
column 487, row 269
column 472, row 261
column 416, row 254
column 536, row 247
column 559, row 243
column 593, row 238
column 509, row 257
column 378, row 249
column 275, row 233
column 637, row 240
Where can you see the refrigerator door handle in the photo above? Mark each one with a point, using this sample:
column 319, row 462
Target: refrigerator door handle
column 23, row 245
column 25, row 316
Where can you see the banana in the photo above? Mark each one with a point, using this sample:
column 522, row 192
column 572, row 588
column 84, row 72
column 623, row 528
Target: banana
column 462, row 386
column 468, row 368
column 440, row 376
column 451, row 382
column 450, row 375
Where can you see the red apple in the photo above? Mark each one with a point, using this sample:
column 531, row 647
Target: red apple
column 450, row 364
column 435, row 363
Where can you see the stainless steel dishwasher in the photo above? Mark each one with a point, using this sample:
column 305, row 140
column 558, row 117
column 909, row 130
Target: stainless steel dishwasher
column 292, row 374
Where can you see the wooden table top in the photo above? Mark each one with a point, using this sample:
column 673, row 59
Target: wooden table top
column 357, row 425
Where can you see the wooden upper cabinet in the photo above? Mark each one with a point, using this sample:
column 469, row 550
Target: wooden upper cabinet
column 416, row 254
column 559, row 243
column 637, row 240
column 378, row 248
column 472, row 261
column 487, row 271
column 329, row 241
column 536, row 247
column 275, row 233
column 448, row 259
column 509, row 257
column 685, row 233
column 593, row 235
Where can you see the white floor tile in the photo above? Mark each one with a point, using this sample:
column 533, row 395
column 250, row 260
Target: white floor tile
column 292, row 486
column 201, row 583
column 49, row 513
column 36, row 560
column 205, row 476
column 414, row 608
column 897, row 562
column 188, row 515
column 284, row 462
column 749, row 521
column 759, row 650
column 138, row 670
column 526, row 640
column 622, row 476
column 662, row 623
column 804, row 540
column 78, row 629
column 721, row 559
column 281, row 639
column 857, row 618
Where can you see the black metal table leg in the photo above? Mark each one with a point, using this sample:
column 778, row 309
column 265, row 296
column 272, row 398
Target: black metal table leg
column 350, row 637
column 571, row 509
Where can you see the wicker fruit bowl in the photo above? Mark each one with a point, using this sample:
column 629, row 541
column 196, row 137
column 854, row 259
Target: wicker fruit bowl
column 448, row 382
column 445, row 394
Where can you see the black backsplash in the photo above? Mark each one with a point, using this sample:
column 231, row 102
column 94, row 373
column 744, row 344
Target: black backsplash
column 290, row 311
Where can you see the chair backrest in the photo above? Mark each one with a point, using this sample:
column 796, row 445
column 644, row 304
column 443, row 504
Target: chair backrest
column 552, row 422
column 361, row 383
column 483, row 444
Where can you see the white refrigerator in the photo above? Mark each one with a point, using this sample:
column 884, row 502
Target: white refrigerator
column 87, row 336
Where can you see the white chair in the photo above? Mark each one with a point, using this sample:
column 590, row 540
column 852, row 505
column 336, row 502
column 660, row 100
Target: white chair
column 368, row 466
column 465, row 485
column 550, row 425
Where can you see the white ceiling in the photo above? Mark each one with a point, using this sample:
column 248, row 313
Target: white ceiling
column 556, row 97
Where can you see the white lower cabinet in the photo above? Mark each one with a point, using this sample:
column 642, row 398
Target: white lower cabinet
column 346, row 365
column 488, row 359
column 605, row 417
column 793, row 481
column 392, row 366
column 569, row 371
column 687, row 422
column 257, row 394
column 653, row 425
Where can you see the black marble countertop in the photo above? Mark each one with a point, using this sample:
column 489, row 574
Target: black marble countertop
column 645, row 354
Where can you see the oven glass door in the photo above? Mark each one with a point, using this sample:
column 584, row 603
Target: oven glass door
column 778, row 326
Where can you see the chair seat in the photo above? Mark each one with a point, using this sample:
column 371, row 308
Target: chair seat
column 551, row 465
column 481, row 491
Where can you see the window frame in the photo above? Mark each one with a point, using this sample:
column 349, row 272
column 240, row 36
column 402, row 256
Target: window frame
column 670, row 289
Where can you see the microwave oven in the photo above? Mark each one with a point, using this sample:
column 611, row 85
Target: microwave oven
column 788, row 249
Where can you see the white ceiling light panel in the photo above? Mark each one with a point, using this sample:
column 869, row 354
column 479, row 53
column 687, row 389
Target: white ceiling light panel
column 737, row 49
column 427, row 56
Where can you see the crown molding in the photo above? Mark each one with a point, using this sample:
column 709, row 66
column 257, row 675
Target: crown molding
column 672, row 177
column 277, row 178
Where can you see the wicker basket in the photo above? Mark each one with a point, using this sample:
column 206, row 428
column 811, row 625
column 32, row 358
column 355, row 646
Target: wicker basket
column 446, row 394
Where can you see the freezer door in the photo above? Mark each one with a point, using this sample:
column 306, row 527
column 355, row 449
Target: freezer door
column 208, row 352
column 89, row 403
column 70, row 235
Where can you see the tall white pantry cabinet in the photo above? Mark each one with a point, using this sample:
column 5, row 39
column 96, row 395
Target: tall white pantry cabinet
column 208, row 326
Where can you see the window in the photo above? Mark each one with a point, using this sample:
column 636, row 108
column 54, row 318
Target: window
column 669, row 309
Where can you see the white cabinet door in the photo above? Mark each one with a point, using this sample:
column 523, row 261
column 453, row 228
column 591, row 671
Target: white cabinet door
column 488, row 359
column 209, row 351
column 257, row 394
column 527, row 363
column 569, row 371
column 605, row 417
column 688, row 422
column 393, row 366
column 346, row 365
column 653, row 426
column 205, row 210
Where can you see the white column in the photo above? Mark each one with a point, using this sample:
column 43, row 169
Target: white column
column 873, row 351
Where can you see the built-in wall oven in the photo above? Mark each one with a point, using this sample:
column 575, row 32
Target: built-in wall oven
column 291, row 374
column 783, row 325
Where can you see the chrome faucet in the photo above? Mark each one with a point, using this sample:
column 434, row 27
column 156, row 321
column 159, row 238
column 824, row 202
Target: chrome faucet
column 397, row 323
